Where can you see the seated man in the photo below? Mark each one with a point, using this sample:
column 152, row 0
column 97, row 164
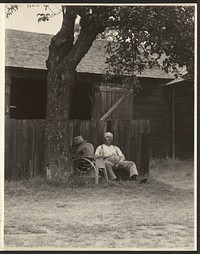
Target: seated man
column 113, row 157
column 81, row 147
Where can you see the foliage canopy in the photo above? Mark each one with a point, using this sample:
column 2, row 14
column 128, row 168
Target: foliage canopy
column 138, row 37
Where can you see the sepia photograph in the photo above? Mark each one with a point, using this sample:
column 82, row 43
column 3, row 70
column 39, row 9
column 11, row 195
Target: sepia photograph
column 100, row 127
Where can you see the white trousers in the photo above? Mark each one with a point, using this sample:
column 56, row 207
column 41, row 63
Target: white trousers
column 127, row 165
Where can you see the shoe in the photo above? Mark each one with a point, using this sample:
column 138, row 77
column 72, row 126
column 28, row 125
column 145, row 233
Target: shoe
column 134, row 178
column 116, row 179
column 144, row 180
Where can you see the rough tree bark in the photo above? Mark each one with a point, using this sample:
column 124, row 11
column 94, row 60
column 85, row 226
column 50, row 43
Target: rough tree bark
column 64, row 56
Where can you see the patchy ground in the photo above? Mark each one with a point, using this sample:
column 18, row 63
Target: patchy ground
column 156, row 215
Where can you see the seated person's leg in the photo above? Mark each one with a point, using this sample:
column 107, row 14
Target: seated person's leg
column 111, row 174
column 130, row 166
column 121, row 173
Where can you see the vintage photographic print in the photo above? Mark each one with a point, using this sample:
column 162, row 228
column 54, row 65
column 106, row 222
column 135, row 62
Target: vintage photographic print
column 100, row 127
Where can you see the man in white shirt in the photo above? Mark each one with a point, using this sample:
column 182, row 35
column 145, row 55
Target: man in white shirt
column 113, row 157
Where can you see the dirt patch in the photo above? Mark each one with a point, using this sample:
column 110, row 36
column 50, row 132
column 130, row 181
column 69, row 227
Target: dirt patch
column 124, row 215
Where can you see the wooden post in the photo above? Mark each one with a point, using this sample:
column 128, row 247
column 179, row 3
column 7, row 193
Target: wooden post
column 144, row 154
column 173, row 126
column 144, row 132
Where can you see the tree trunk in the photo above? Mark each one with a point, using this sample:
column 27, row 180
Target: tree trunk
column 58, row 150
column 64, row 56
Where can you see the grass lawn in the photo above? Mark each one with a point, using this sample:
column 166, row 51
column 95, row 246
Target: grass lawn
column 123, row 215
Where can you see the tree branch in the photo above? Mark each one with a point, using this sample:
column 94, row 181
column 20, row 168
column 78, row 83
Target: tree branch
column 91, row 25
column 81, row 47
column 62, row 42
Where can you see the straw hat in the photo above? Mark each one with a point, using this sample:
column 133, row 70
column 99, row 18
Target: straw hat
column 77, row 141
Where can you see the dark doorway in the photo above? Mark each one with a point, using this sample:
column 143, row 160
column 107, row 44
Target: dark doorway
column 28, row 98
column 81, row 107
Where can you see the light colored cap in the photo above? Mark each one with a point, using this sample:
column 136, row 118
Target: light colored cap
column 108, row 136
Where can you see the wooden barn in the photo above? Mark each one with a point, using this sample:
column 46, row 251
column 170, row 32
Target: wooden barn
column 181, row 120
column 168, row 105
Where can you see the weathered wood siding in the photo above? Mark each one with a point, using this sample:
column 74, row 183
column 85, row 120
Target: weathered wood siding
column 105, row 98
column 152, row 103
column 184, row 120
column 24, row 143
column 24, row 148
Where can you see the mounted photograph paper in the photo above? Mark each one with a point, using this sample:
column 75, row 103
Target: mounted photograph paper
column 99, row 127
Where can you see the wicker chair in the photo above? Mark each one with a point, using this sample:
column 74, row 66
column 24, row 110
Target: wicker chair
column 85, row 162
